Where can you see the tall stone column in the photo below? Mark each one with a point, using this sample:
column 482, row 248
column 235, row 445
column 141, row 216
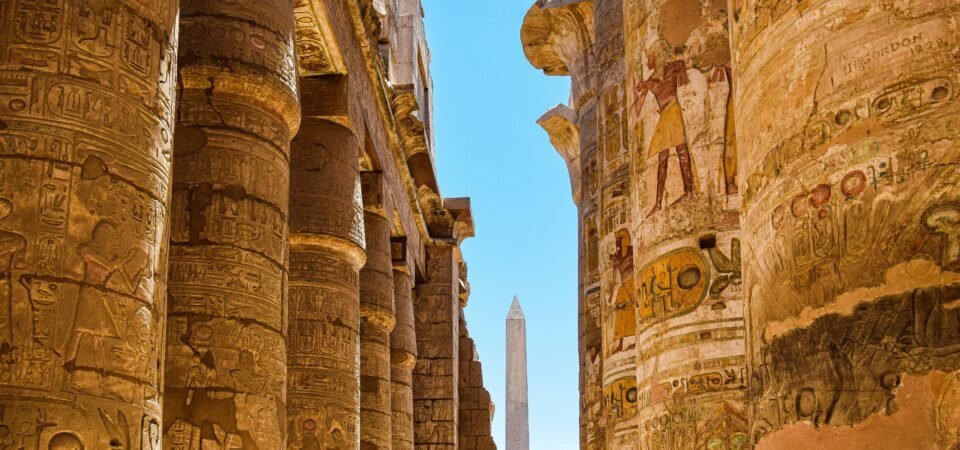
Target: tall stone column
column 435, row 377
column 691, row 386
column 225, row 355
column 86, row 107
column 403, row 354
column 848, row 125
column 326, row 254
column 377, row 319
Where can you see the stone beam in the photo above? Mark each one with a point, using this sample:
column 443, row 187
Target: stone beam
column 562, row 125
column 317, row 49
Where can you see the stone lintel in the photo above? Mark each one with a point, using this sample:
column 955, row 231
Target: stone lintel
column 326, row 97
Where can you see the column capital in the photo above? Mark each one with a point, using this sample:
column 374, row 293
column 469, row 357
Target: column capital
column 561, row 124
column 558, row 37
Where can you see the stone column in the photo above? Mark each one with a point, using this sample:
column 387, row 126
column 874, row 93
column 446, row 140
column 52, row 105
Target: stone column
column 225, row 356
column 326, row 254
column 691, row 386
column 87, row 116
column 403, row 356
column 436, row 310
column 476, row 409
column 376, row 319
column 848, row 125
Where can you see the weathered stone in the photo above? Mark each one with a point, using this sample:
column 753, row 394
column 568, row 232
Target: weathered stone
column 850, row 204
column 377, row 319
column 436, row 311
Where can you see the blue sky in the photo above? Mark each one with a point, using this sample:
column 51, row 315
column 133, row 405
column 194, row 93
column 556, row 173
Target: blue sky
column 489, row 147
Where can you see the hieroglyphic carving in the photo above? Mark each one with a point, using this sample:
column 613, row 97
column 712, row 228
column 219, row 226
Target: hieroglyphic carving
column 592, row 412
column 86, row 103
column 855, row 362
column 674, row 284
column 317, row 53
column 226, row 352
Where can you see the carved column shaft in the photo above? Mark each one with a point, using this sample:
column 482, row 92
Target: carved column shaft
column 847, row 114
column 326, row 253
column 403, row 357
column 87, row 113
column 436, row 310
column 376, row 321
column 226, row 358
column 686, row 275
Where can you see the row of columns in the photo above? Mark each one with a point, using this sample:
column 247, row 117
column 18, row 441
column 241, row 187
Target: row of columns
column 288, row 317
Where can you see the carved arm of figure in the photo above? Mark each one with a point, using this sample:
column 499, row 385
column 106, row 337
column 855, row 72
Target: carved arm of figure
column 135, row 267
column 642, row 88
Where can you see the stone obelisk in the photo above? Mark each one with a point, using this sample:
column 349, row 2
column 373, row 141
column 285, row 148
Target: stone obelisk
column 518, row 426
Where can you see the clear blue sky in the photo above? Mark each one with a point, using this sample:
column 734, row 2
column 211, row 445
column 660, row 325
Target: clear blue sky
column 490, row 148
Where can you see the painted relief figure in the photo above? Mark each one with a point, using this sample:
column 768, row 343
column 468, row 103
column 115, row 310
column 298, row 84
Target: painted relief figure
column 10, row 245
column 670, row 132
column 624, row 315
column 729, row 158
